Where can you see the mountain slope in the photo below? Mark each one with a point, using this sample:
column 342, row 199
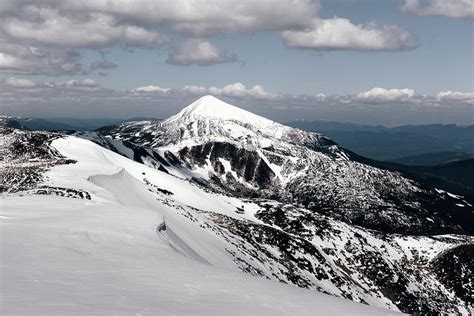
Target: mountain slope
column 61, row 256
column 231, row 150
column 455, row 177
column 90, row 237
column 108, row 211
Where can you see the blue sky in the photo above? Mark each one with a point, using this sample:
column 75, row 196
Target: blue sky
column 415, row 51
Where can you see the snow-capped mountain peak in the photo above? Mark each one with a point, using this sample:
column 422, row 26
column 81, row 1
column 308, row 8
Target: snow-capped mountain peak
column 210, row 119
column 209, row 107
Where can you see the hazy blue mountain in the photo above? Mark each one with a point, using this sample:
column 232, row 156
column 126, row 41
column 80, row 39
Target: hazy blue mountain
column 335, row 126
column 383, row 143
column 34, row 124
column 433, row 159
column 67, row 123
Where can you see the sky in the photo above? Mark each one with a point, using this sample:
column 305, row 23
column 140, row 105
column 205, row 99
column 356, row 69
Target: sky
column 390, row 62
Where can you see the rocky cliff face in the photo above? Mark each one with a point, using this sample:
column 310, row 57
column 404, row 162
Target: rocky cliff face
column 24, row 156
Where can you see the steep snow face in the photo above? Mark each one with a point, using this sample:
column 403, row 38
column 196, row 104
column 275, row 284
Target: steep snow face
column 234, row 151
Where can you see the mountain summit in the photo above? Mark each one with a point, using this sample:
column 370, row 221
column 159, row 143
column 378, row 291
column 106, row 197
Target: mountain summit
column 213, row 118
column 210, row 107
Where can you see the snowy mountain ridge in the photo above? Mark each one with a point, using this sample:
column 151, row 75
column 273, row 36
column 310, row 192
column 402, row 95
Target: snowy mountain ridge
column 234, row 151
column 109, row 210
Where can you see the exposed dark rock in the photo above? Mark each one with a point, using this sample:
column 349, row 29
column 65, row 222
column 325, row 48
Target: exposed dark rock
column 455, row 269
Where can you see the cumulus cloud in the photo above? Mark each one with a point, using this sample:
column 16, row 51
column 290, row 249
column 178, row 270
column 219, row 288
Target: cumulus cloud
column 198, row 52
column 383, row 95
column 85, row 29
column 100, row 23
column 342, row 34
column 105, row 23
column 152, row 89
column 449, row 95
column 86, row 84
column 320, row 97
column 20, row 83
column 86, row 97
column 450, row 8
column 82, row 83
column 202, row 18
column 29, row 60
column 21, row 94
column 235, row 90
column 196, row 90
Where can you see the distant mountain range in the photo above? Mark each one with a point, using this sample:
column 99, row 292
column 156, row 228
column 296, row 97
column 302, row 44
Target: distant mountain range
column 410, row 144
column 433, row 159
column 67, row 123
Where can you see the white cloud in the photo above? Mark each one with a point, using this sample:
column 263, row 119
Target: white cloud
column 258, row 92
column 449, row 95
column 29, row 60
column 89, row 98
column 384, row 95
column 235, row 90
column 152, row 88
column 342, row 34
column 105, row 23
column 89, row 29
column 83, row 83
column 196, row 90
column 20, row 83
column 201, row 18
column 199, row 52
column 86, row 84
column 87, row 88
column 239, row 90
column 450, row 8
column 320, row 97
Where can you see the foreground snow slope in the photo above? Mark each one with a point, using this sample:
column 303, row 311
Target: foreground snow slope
column 122, row 253
column 63, row 256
